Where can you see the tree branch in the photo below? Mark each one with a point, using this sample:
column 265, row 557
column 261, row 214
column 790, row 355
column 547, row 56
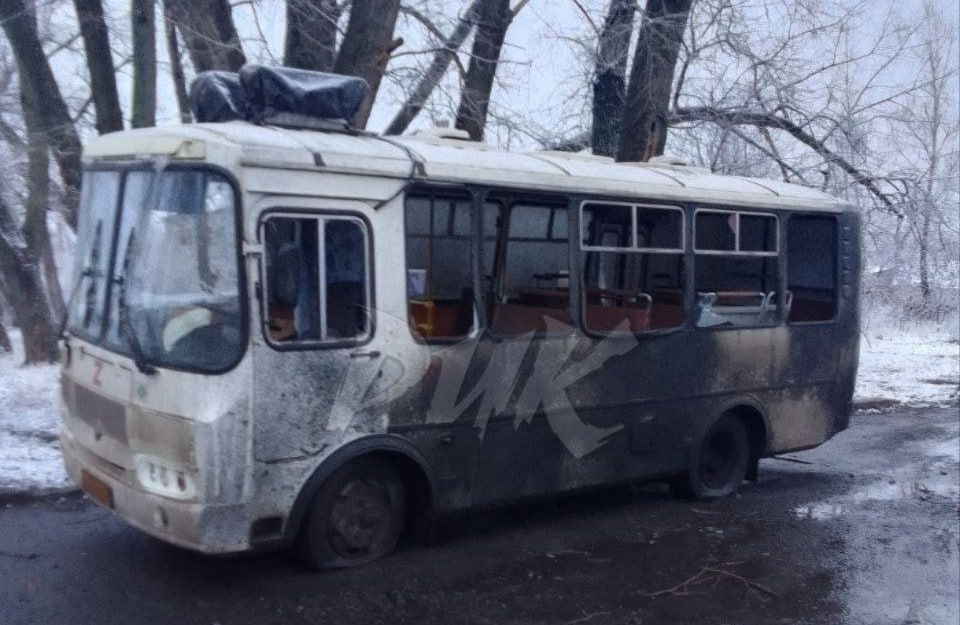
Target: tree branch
column 759, row 119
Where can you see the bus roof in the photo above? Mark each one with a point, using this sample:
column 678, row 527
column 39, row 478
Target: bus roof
column 442, row 156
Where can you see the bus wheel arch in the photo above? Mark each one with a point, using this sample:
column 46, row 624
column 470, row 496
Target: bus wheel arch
column 755, row 422
column 727, row 451
column 383, row 454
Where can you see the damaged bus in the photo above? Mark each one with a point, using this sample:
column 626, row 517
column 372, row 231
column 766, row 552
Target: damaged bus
column 285, row 332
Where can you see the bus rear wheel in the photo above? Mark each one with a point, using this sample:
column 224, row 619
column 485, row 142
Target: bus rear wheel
column 356, row 516
column 719, row 463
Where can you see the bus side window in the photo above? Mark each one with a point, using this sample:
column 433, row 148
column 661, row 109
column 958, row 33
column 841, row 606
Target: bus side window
column 812, row 268
column 735, row 271
column 633, row 267
column 534, row 283
column 440, row 297
column 316, row 279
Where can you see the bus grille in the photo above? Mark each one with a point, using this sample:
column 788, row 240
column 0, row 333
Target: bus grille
column 104, row 415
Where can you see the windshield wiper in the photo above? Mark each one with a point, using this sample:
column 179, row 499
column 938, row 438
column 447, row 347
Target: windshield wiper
column 90, row 271
column 125, row 327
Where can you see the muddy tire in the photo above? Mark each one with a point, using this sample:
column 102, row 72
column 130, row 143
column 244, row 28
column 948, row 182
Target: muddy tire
column 719, row 461
column 356, row 516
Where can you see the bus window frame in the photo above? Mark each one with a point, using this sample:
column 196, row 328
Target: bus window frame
column 580, row 252
column 779, row 254
column 636, row 207
column 476, row 198
column 243, row 293
column 507, row 199
column 736, row 251
column 835, row 217
column 262, row 287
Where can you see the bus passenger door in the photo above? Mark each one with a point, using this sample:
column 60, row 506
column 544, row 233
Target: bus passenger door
column 315, row 294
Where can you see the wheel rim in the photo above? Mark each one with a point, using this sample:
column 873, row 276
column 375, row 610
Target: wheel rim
column 718, row 460
column 360, row 518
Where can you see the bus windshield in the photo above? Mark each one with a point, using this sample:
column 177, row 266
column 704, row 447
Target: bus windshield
column 170, row 296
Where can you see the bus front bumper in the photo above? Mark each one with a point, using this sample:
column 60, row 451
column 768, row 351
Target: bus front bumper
column 203, row 527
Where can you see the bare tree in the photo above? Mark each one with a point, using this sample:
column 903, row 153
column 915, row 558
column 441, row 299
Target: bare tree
column 143, row 29
column 366, row 47
column 493, row 21
column 22, row 275
column 37, row 78
column 35, row 232
column 609, row 81
column 927, row 130
column 740, row 117
column 311, row 37
column 428, row 82
column 5, row 344
column 208, row 33
column 176, row 66
column 438, row 67
column 103, row 79
column 651, row 79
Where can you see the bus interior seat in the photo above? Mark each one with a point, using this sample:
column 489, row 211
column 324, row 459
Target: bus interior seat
column 665, row 311
column 442, row 317
column 280, row 324
column 515, row 319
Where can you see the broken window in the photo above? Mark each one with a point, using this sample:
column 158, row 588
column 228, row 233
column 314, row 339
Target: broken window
column 812, row 268
column 534, row 283
column 316, row 278
column 735, row 273
column 633, row 267
column 439, row 268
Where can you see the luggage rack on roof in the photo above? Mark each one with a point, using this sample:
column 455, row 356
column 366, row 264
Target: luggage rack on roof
column 281, row 96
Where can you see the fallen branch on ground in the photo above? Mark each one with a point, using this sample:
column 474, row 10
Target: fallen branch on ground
column 713, row 575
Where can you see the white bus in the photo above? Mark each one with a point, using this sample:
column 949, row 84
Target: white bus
column 289, row 337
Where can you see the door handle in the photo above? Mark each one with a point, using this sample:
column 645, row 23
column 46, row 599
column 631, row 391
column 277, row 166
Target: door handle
column 371, row 355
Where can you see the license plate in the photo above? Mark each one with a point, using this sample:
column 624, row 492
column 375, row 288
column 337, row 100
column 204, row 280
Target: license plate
column 96, row 488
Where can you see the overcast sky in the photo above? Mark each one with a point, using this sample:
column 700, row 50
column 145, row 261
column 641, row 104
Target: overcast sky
column 542, row 82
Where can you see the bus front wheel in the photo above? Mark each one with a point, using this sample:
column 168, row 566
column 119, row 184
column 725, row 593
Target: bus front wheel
column 720, row 460
column 356, row 516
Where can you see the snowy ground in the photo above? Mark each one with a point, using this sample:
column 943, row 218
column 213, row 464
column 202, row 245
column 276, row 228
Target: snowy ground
column 913, row 365
column 29, row 426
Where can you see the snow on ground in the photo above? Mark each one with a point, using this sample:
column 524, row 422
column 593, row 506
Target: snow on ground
column 899, row 365
column 911, row 364
column 29, row 425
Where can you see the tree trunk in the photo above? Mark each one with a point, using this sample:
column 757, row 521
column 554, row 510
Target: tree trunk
column 35, row 232
column 651, row 79
column 208, row 33
column 311, row 39
column 103, row 79
column 428, row 82
column 37, row 77
column 35, row 225
column 176, row 67
column 366, row 47
column 610, row 77
column 5, row 344
column 142, row 16
column 22, row 276
column 494, row 19
column 222, row 13
column 926, row 293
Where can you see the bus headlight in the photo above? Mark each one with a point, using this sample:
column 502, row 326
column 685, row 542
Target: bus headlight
column 157, row 476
